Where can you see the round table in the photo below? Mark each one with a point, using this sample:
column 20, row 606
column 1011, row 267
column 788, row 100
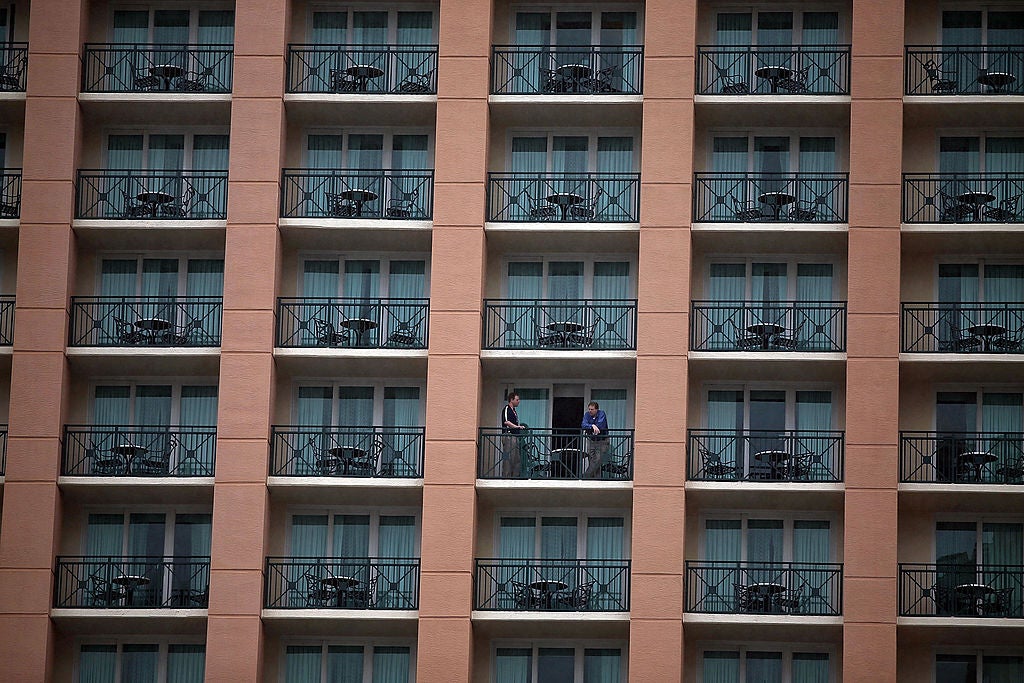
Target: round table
column 548, row 589
column 773, row 74
column 976, row 593
column 976, row 460
column 975, row 200
column 776, row 200
column 129, row 452
column 765, row 331
column 575, row 75
column 363, row 73
column 130, row 582
column 569, row 463
column 563, row 330
column 166, row 72
column 358, row 197
column 346, row 455
column 997, row 80
column 360, row 326
column 564, row 200
column 777, row 460
column 154, row 199
column 987, row 332
column 764, row 593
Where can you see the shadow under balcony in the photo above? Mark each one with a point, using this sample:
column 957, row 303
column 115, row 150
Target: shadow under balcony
column 959, row 590
column 963, row 198
column 94, row 582
column 139, row 194
column 783, row 70
column 150, row 321
column 990, row 458
column 354, row 193
column 523, row 197
column 555, row 454
column 537, row 585
column 728, row 197
column 156, row 68
column 352, row 323
column 10, row 193
column 358, row 452
column 13, row 66
column 357, row 583
column 589, row 70
column 964, row 70
column 138, row 451
column 800, row 326
column 801, row 456
column 550, row 325
column 362, row 69
column 936, row 327
column 7, row 320
column 778, row 588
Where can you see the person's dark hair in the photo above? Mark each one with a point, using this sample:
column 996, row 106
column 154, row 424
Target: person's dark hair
column 594, row 403
column 511, row 395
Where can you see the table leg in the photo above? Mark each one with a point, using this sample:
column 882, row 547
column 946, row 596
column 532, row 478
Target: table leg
column 565, row 212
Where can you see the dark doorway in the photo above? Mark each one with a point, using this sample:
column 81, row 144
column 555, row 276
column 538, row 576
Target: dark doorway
column 566, row 416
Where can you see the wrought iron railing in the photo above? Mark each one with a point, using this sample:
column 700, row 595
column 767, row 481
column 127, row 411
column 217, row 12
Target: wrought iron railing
column 145, row 321
column 607, row 325
column 6, row 320
column 963, row 198
column 146, row 68
column 770, row 197
column 139, row 194
column 362, row 69
column 555, row 454
column 343, row 583
column 962, row 457
column 10, row 193
column 107, row 582
column 808, row 326
column 964, row 70
column 352, row 323
column 537, row 585
column 3, row 449
column 346, row 451
column 784, row 70
column 579, row 70
column 563, row 197
column 353, row 193
column 961, row 590
column 786, row 588
column 937, row 327
column 13, row 66
column 790, row 455
column 139, row 451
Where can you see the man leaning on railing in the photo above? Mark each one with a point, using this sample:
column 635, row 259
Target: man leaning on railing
column 511, row 429
column 595, row 428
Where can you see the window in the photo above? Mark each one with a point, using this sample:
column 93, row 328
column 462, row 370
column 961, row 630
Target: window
column 966, row 411
column 773, row 154
column 982, row 27
column 776, row 29
column 551, row 663
column 575, row 28
column 368, row 151
column 148, row 534
column 167, row 152
column 166, row 277
column 581, row 536
column 376, row 27
column 561, row 406
column 964, row 155
column 174, row 27
column 771, row 282
column 349, row 663
column 359, row 406
column 745, row 665
column 754, row 539
column 579, row 154
column 769, row 410
column 132, row 662
column 573, row 280
column 978, row 668
column 971, row 544
column 364, row 278
column 155, row 405
column 980, row 282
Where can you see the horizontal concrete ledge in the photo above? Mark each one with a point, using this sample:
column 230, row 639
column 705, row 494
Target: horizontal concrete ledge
column 810, row 487
column 561, row 227
column 986, row 489
column 135, row 351
column 971, row 358
column 108, row 613
column 770, row 227
column 341, row 614
column 766, row 356
column 151, row 482
column 771, row 99
column 345, row 482
column 962, row 99
column 141, row 223
column 574, row 354
column 958, row 622
column 774, row 619
column 158, row 96
column 549, row 485
column 353, row 224
column 349, row 353
column 367, row 98
column 565, row 99
column 566, row 617
column 966, row 228
column 9, row 222
column 12, row 96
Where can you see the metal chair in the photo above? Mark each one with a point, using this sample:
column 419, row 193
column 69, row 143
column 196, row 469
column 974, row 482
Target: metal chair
column 524, row 597
column 790, row 600
column 1012, row 472
column 179, row 208
column 105, row 462
column 145, row 80
column 789, row 340
column 104, row 593
column 1006, row 212
column 127, row 333
column 327, row 335
column 586, row 210
column 579, row 599
column 133, row 208
column 416, row 83
column 404, row 205
column 617, row 467
column 734, row 84
column 745, row 602
column 406, row 334
column 746, row 211
column 960, row 341
column 953, row 211
column 539, row 210
column 942, row 82
column 999, row 604
column 318, row 593
column 193, row 81
column 552, row 82
column 804, row 211
column 797, row 81
column 157, row 460
column 711, row 464
column 340, row 81
column 744, row 340
column 339, row 207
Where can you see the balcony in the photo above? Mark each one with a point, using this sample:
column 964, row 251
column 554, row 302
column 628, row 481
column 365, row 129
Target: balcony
column 541, row 70
column 536, row 585
column 334, row 323
column 957, row 590
column 554, row 454
column 555, row 325
column 165, row 69
column 10, row 192
column 806, row 456
column 132, row 582
column 138, row 194
column 364, row 583
column 964, row 70
column 937, row 327
column 962, row 458
column 362, row 69
column 346, row 451
column 138, row 451
column 796, row 70
column 779, row 588
column 13, row 66
column 144, row 322
column 770, row 197
column 963, row 198
column 6, row 320
column 355, row 193
column 563, row 197
column 800, row 326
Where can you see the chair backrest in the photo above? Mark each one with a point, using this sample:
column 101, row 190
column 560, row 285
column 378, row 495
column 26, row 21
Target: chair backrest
column 323, row 329
column 932, row 69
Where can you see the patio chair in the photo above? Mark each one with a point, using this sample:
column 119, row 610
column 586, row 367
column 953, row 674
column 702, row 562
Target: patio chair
column 10, row 76
column 745, row 602
column 960, row 341
column 551, row 81
column 416, row 83
column 804, row 211
column 734, row 84
column 790, row 339
column 524, row 597
column 105, row 462
column 157, row 460
column 126, row 332
column 326, row 334
column 999, row 604
column 942, row 82
column 339, row 207
column 145, row 81
column 104, row 593
column 406, row 334
column 404, row 205
column 712, row 465
column 602, row 81
column 193, row 81
column 538, row 209
column 617, row 467
column 790, row 600
column 586, row 210
column 1006, row 212
column 953, row 211
column 179, row 208
column 1012, row 472
column 583, row 337
column 746, row 211
column 318, row 593
column 579, row 598
column 547, row 337
column 743, row 340
column 797, row 81
column 339, row 81
column 133, row 208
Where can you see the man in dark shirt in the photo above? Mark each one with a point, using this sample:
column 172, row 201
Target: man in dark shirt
column 595, row 430
column 511, row 428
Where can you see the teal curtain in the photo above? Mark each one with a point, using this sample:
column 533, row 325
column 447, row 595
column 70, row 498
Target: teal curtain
column 124, row 152
column 565, row 283
column 314, row 406
column 817, row 155
column 956, row 555
column 170, row 27
column 118, row 277
column 1002, row 544
column 569, row 155
column 532, row 29
column 104, row 535
column 204, row 277
column 351, row 538
column 98, row 664
column 130, row 26
column 723, row 540
column 961, row 28
column 409, row 153
column 1005, row 28
column 391, row 664
column 525, row 286
column 1004, row 155
column 153, row 405
column 821, row 28
column 415, row 28
column 191, row 540
column 605, row 541
column 602, row 665
column 1004, row 284
column 613, row 403
column 958, row 283
column 812, row 545
column 369, row 28
column 139, row 663
column 320, row 279
column 555, row 664
column 406, row 281
column 727, row 282
column 764, row 667
column 604, row 538
column 529, row 155
column 1002, row 668
column 775, row 29
column 361, row 281
column 160, row 279
column 558, row 538
column 146, row 535
column 328, row 28
column 365, row 152
column 112, row 406
column 771, row 156
column 355, row 407
column 302, row 664
column 764, row 540
column 1002, row 414
column 324, row 152
column 216, row 27
column 725, row 416
column 611, row 283
column 956, row 668
column 813, row 410
column 814, row 285
column 396, row 540
column 730, row 155
column 516, row 538
column 572, row 29
column 619, row 28
column 533, row 408
column 345, row 664
column 309, row 536
column 814, row 414
column 513, row 665
column 810, row 667
column 210, row 152
column 528, row 158
column 726, row 290
column 614, row 155
column 768, row 283
column 166, row 152
column 397, row 536
column 401, row 406
column 733, row 29
column 958, row 155
column 721, row 667
column 186, row 663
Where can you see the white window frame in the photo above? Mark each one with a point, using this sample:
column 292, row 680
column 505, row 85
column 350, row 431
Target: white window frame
column 787, row 650
column 367, row 644
column 578, row 645
column 193, row 16
column 592, row 135
column 384, row 258
column 978, row 521
column 787, row 517
column 841, row 154
column 588, row 260
column 170, row 521
column 797, row 10
column 387, row 142
column 508, row 386
column 582, row 518
column 378, row 386
column 791, row 261
column 162, row 642
column 188, row 134
column 175, row 383
column 181, row 257
column 374, row 531
column 981, row 262
column 595, row 19
column 391, row 9
column 984, row 9
column 982, row 137
column 979, row 392
column 789, row 389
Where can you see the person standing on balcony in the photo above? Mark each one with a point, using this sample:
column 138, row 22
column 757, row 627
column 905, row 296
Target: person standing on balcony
column 511, row 429
column 595, row 429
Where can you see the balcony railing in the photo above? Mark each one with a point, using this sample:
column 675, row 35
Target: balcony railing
column 13, row 66
column 155, row 68
column 555, row 454
column 783, row 70
column 354, row 193
column 807, row 326
column 362, row 69
column 964, row 70
column 607, row 325
column 770, row 197
column 6, row 320
column 963, row 198
column 345, row 583
column 335, row 323
column 145, row 321
column 761, row 456
column 961, row 590
column 536, row 585
column 3, row 449
column 588, row 70
column 563, row 197
column 132, row 582
column 962, row 457
column 138, row 194
column 138, row 451
column 784, row 588
column 10, row 192
column 937, row 327
column 346, row 451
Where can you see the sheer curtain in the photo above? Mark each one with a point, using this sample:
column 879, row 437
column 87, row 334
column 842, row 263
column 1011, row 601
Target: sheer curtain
column 729, row 155
column 565, row 284
column 112, row 406
column 602, row 665
column 396, row 540
column 409, row 153
column 170, row 31
column 614, row 155
column 723, row 540
column 532, row 29
column 345, row 664
column 369, row 28
column 771, row 160
column 406, row 281
column 191, row 541
column 216, row 27
column 309, row 536
column 605, row 541
column 1004, row 155
column 209, row 153
column 139, row 663
column 817, row 158
column 513, row 665
column 1002, row 414
column 361, row 281
column 328, row 29
column 204, row 277
column 415, row 28
column 525, row 287
column 355, row 407
column 1002, row 544
column 118, row 278
column 302, row 664
column 1001, row 668
column 810, row 667
column 764, row 540
column 961, row 29
column 725, row 418
column 618, row 29
column 764, row 667
column 721, row 667
column 401, row 409
column 98, row 664
column 320, row 280
column 959, row 155
column 186, row 663
column 814, row 414
column 558, row 538
column 812, row 546
column 821, row 29
column 814, row 285
column 533, row 408
column 516, row 538
column 611, row 323
column 1004, row 284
